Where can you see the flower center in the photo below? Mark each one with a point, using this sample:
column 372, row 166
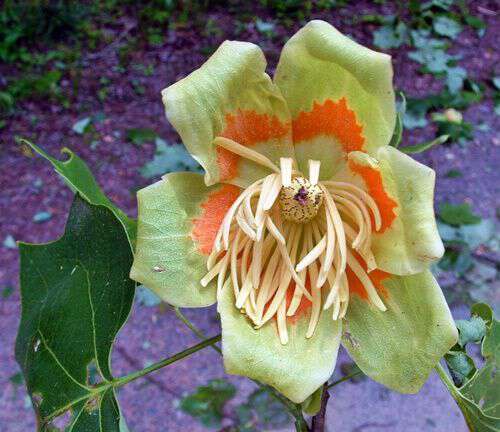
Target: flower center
column 300, row 201
column 287, row 240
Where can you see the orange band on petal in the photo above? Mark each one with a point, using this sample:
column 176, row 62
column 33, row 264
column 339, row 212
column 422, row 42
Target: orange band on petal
column 373, row 181
column 333, row 119
column 376, row 276
column 214, row 208
column 304, row 304
column 246, row 128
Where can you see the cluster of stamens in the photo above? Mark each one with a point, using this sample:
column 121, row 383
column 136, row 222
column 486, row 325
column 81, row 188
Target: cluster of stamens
column 287, row 240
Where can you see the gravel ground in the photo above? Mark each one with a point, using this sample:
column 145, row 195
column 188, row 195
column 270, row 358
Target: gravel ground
column 28, row 186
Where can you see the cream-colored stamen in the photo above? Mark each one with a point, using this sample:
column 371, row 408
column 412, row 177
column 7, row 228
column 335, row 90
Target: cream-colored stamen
column 314, row 166
column 287, row 240
column 245, row 152
column 366, row 281
column 286, row 171
column 367, row 199
column 297, row 294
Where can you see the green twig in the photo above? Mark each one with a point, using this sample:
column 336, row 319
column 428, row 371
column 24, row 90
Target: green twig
column 301, row 425
column 165, row 362
column 446, row 379
column 118, row 382
column 193, row 328
column 346, row 378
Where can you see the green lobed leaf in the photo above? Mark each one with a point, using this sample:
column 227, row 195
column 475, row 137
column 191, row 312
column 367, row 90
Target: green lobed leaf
column 76, row 295
column 478, row 397
column 476, row 419
column 169, row 158
column 460, row 365
column 455, row 77
column 460, row 241
column 433, row 58
column 442, row 4
column 472, row 235
column 261, row 412
column 139, row 136
column 207, row 403
column 392, row 35
column 79, row 178
column 472, row 330
column 432, row 55
column 445, row 26
column 482, row 284
column 458, row 214
column 414, row 119
column 457, row 258
column 483, row 311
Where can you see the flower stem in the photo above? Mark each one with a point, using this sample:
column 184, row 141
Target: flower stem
column 118, row 382
column 301, row 425
column 121, row 381
column 318, row 421
column 199, row 334
column 446, row 379
column 346, row 378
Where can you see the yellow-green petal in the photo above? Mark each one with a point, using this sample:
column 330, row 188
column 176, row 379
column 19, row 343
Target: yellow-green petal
column 326, row 78
column 407, row 241
column 296, row 369
column 232, row 96
column 177, row 218
column 412, row 242
column 400, row 347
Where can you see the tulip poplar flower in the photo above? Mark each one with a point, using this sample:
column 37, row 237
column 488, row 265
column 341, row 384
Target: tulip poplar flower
column 308, row 229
